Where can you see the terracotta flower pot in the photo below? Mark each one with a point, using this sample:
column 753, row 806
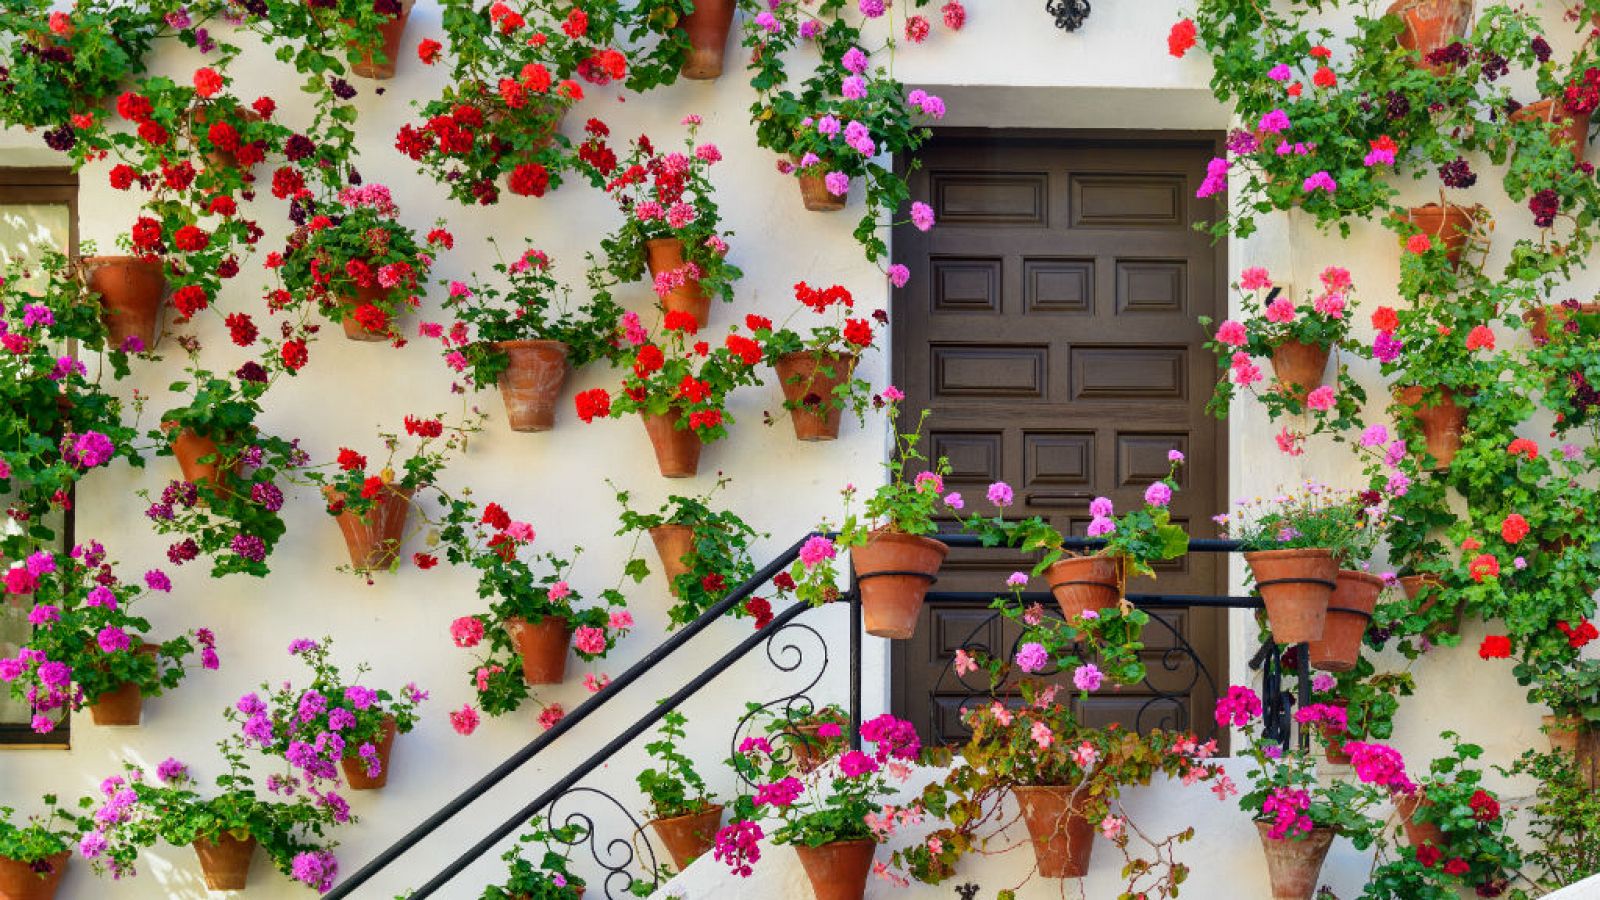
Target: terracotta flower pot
column 353, row 330
column 1449, row 226
column 893, row 573
column 1350, row 608
column 707, row 28
column 1295, row 585
column 32, row 881
column 673, row 543
column 808, row 380
column 189, row 449
column 838, row 871
column 809, row 749
column 1430, row 25
column 1299, row 368
column 689, row 837
column 122, row 706
column 1334, row 752
column 666, row 255
column 1563, row 732
column 1442, row 422
column 543, row 647
column 1417, row 831
column 1430, row 589
column 677, row 449
column 1293, row 866
column 1062, row 838
column 355, row 768
column 225, row 861
column 374, row 539
column 1086, row 583
column 816, row 196
column 219, row 159
column 1573, row 736
column 1572, row 129
column 131, row 290
column 532, row 382
column 1540, row 317
column 391, row 31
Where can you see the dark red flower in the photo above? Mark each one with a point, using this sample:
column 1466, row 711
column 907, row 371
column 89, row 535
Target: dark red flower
column 241, row 330
column 424, row 561
column 351, row 461
column 1428, row 855
column 783, row 581
column 1485, row 808
column 530, row 180
column 294, row 355
column 1457, row 866
column 191, row 239
column 713, row 583
column 760, row 609
column 495, row 516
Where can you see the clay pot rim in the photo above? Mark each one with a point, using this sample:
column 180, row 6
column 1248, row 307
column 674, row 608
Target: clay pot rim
column 706, row 810
column 1289, row 553
column 525, row 343
column 1358, row 575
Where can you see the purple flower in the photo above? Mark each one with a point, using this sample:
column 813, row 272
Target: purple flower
column 259, row 729
column 872, row 9
column 921, row 215
column 42, row 562
column 34, row 314
column 86, row 450
column 1158, row 494
column 317, row 868
column 55, row 674
column 854, row 88
column 209, row 660
column 1017, row 579
column 43, row 614
column 1374, row 435
column 1274, row 122
column 100, row 596
column 360, row 697
column 157, row 580
column 1386, row 347
column 779, row 793
column 268, row 495
column 1320, row 181
column 340, row 719
column 250, row 704
column 1031, row 657
column 837, row 183
column 809, row 28
column 1101, row 507
column 171, row 770
column 899, row 275
column 1175, row 456
column 249, row 547
column 1087, row 677
column 768, row 21
column 301, row 646
column 1000, row 494
column 1101, row 526
column 1216, row 180
column 92, row 845
column 859, row 137
column 954, row 501
column 1280, row 72
column 856, row 764
column 828, row 126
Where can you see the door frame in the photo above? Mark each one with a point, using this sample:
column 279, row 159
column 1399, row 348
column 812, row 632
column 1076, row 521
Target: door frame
column 1214, row 142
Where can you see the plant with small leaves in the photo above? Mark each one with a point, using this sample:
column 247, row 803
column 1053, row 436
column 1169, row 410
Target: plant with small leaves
column 676, row 789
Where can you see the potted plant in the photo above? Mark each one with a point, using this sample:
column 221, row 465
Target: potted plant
column 1560, row 817
column 533, row 610
column 679, row 388
column 1356, row 591
column 825, row 816
column 1450, row 227
column 1430, row 25
column 357, row 263
column 331, row 720
column 817, row 371
column 1296, row 815
column 372, row 509
column 1297, row 337
column 551, row 878
column 1295, row 543
column 225, row 826
column 682, row 811
column 228, row 503
column 814, row 735
column 70, row 62
column 1359, row 704
column 34, row 854
column 131, row 290
column 87, row 648
column 671, row 225
column 522, row 340
column 704, row 552
column 1572, row 691
column 895, row 561
column 706, row 26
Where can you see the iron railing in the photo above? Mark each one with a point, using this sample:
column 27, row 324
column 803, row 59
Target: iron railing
column 620, row 857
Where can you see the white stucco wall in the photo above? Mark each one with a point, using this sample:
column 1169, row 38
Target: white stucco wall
column 1008, row 68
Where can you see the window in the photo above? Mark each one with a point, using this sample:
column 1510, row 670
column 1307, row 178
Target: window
column 38, row 212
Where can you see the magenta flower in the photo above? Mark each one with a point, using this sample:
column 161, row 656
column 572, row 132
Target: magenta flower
column 1320, row 399
column 1320, row 181
column 899, row 275
column 1000, row 494
column 1031, row 657
column 1238, row 707
column 1088, row 677
column 1158, row 494
column 837, row 183
column 856, row 764
column 921, row 215
column 466, row 631
column 779, row 793
column 112, row 639
column 816, row 549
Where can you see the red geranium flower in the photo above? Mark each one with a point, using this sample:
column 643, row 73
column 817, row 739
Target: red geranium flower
column 1480, row 338
column 1495, row 646
column 428, row 428
column 191, row 239
column 678, row 320
column 1181, row 38
column 1428, row 855
column 371, row 486
column 593, row 403
column 858, row 332
column 1484, row 807
column 1514, row 528
column 428, row 51
column 1523, row 447
column 424, row 561
column 1324, row 77
column 241, row 329
column 1385, row 319
column 1457, row 866
column 294, row 354
column 1485, row 565
column 207, row 82
column 760, row 609
column 350, row 461
column 190, row 299
column 530, row 180
column 495, row 516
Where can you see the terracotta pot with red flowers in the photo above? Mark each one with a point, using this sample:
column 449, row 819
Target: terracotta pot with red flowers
column 707, row 29
column 379, row 59
column 816, row 371
column 679, row 388
column 1447, row 225
column 1431, row 25
column 672, row 227
column 131, row 289
column 1350, row 608
column 1571, row 126
column 1442, row 420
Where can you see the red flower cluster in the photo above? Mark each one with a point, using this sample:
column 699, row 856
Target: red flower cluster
column 207, row 83
column 592, row 404
column 858, row 332
column 530, row 180
column 709, row 418
column 428, row 51
column 1181, row 39
column 294, row 355
column 1495, row 646
column 821, row 300
column 1523, row 447
column 1514, row 528
column 241, row 329
column 1484, row 565
column 146, row 234
column 191, row 239
column 748, row 351
column 759, row 609
column 1579, row 637
column 190, row 299
column 678, row 320
column 1485, row 808
column 495, row 516
column 351, row 461
column 427, row 428
column 1480, row 338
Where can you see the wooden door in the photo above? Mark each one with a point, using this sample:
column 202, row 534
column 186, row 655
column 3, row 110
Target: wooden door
column 1050, row 327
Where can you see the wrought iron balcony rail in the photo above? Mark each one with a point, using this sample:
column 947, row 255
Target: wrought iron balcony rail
column 628, row 858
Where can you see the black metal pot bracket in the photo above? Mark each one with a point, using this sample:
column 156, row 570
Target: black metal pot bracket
column 1069, row 14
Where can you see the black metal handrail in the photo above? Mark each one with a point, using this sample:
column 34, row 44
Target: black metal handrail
column 570, row 780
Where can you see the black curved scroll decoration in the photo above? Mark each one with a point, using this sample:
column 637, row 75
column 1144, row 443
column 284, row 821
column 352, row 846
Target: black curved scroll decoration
column 1172, row 660
column 1069, row 14
column 786, row 656
column 615, row 857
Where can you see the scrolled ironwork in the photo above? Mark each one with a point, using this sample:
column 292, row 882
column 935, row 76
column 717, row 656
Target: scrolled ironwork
column 1069, row 14
column 619, row 855
column 786, row 656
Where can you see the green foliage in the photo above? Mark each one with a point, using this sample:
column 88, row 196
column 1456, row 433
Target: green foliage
column 57, row 67
column 1314, row 516
column 675, row 789
column 1564, row 821
column 719, row 558
column 548, row 879
column 348, row 486
column 43, row 835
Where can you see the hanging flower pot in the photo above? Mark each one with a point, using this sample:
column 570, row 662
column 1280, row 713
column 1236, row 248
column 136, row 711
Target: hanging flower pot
column 225, row 860
column 707, row 28
column 1295, row 586
column 1540, row 317
column 1294, row 865
column 374, row 539
column 688, row 838
column 1446, row 225
column 189, row 449
column 1350, row 608
column 219, row 159
column 1299, row 367
column 808, row 379
column 677, row 449
column 355, row 768
column 121, row 707
column 838, row 871
column 1572, row 129
column 1430, row 25
column 809, row 748
column 1417, row 831
column 353, row 329
column 816, row 196
column 532, row 382
column 1062, row 838
column 32, row 880
column 893, row 573
column 666, row 255
column 543, row 647
column 1431, row 590
column 1563, row 732
column 131, row 290
column 1442, row 422
column 673, row 543
column 1086, row 583
column 391, row 32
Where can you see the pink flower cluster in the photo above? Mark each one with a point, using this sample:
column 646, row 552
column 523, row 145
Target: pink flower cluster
column 1238, row 707
column 1287, row 809
column 1381, row 765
